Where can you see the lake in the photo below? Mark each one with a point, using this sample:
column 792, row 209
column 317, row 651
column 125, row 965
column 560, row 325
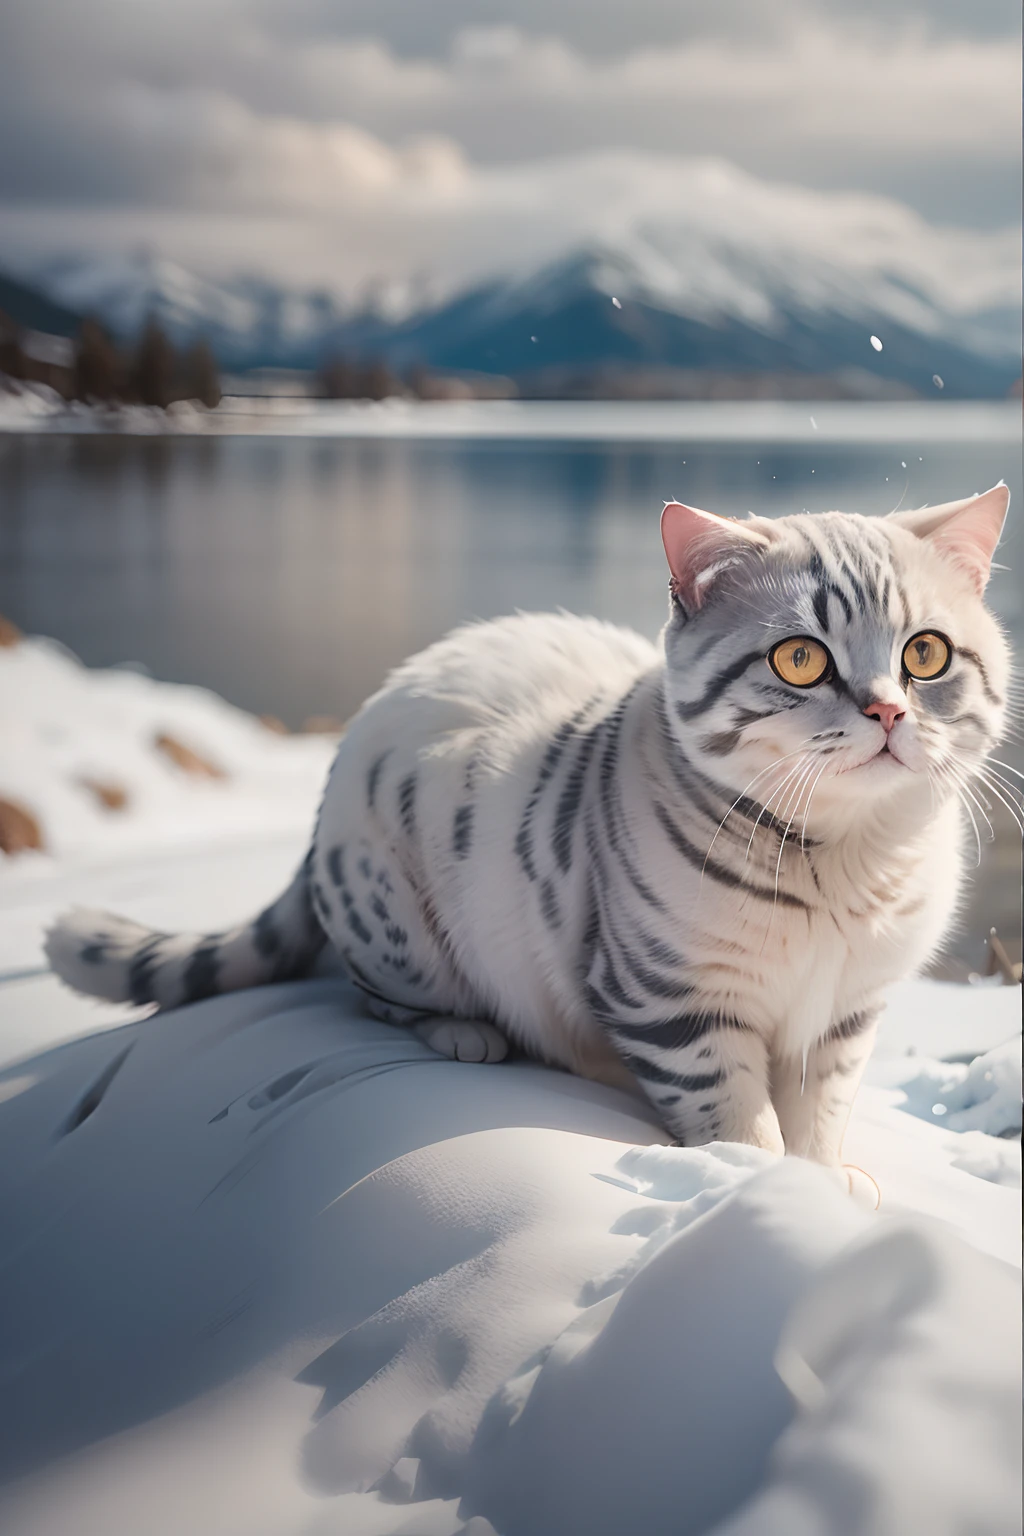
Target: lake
column 290, row 571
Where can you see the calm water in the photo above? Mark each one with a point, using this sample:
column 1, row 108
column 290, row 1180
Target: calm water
column 290, row 573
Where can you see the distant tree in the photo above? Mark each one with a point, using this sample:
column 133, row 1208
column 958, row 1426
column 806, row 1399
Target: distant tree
column 375, row 381
column 336, row 379
column 96, row 371
column 153, row 369
column 199, row 377
column 420, row 382
column 12, row 358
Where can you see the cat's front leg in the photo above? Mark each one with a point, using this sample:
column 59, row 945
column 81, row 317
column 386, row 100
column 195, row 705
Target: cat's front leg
column 813, row 1099
column 707, row 1076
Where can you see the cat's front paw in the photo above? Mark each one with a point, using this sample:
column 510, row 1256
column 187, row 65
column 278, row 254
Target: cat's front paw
column 862, row 1187
column 463, row 1039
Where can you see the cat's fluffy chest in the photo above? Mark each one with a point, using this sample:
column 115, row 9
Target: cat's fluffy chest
column 801, row 971
column 871, row 928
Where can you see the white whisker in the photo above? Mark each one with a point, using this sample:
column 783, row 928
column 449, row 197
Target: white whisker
column 1001, row 797
column 741, row 796
column 786, row 781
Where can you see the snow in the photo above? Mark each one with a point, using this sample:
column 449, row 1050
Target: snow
column 38, row 409
column 274, row 1267
column 66, row 726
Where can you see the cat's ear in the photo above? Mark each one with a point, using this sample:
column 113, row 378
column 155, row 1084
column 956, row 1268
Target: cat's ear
column 966, row 532
column 699, row 545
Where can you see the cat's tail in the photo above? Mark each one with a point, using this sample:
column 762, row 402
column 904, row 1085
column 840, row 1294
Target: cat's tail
column 111, row 957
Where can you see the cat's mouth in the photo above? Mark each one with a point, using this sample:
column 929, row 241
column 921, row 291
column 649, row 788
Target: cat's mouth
column 884, row 757
column 885, row 754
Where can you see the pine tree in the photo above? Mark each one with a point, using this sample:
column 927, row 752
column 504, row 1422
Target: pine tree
column 420, row 382
column 12, row 358
column 336, row 379
column 199, row 377
column 375, row 381
column 96, row 369
column 153, row 366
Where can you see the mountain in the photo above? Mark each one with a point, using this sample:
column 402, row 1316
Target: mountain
column 248, row 321
column 749, row 278
column 607, row 307
column 34, row 311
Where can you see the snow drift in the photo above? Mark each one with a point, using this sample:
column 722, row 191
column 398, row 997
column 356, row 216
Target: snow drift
column 276, row 1267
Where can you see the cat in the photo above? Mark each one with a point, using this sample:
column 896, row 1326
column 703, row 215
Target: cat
column 689, row 868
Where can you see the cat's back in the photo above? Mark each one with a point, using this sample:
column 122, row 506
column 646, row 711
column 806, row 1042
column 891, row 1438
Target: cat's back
column 520, row 673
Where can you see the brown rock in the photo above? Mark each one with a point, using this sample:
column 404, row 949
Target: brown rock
column 19, row 829
column 272, row 723
column 113, row 796
column 186, row 758
column 10, row 634
column 323, row 725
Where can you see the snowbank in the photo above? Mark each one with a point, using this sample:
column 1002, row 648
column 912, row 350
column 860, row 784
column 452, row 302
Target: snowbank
column 276, row 1267
column 273, row 1267
column 68, row 730
column 37, row 409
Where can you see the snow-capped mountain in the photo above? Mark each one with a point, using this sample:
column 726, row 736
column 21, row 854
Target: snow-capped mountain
column 248, row 320
column 659, row 303
column 740, row 276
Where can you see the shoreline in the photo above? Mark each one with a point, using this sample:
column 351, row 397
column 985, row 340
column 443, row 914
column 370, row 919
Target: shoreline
column 780, row 422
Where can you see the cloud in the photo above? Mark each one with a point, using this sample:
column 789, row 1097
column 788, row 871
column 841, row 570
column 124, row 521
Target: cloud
column 827, row 95
column 338, row 142
column 422, row 221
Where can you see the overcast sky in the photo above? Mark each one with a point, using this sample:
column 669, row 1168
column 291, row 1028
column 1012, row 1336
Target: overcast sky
column 352, row 131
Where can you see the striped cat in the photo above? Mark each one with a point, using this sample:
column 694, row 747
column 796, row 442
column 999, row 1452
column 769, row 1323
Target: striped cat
column 694, row 866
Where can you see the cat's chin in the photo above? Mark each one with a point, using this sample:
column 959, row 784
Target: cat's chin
column 884, row 760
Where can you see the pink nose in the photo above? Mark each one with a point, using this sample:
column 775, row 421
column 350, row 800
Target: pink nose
column 886, row 714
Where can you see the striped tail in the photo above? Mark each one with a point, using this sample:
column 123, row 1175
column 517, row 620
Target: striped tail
column 108, row 956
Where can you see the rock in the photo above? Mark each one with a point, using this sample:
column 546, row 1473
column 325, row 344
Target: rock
column 186, row 758
column 19, row 829
column 10, row 634
column 111, row 795
column 323, row 725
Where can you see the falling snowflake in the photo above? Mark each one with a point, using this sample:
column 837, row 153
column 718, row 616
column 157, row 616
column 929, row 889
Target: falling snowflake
column 903, row 463
column 533, row 338
column 616, row 303
column 937, row 381
column 876, row 343
column 814, row 424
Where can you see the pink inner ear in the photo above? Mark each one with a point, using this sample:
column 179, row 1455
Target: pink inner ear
column 969, row 537
column 696, row 542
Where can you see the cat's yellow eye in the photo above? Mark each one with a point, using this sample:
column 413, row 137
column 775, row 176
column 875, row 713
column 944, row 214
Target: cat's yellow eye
column 927, row 655
column 800, row 661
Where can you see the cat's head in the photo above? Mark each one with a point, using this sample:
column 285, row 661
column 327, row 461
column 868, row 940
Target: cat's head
column 849, row 653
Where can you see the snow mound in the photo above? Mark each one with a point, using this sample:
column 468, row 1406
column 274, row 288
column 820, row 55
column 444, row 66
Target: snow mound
column 70, row 731
column 275, row 1267
column 984, row 1095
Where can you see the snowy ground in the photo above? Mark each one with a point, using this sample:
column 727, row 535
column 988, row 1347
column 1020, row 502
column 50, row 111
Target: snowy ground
column 273, row 1267
column 35, row 408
